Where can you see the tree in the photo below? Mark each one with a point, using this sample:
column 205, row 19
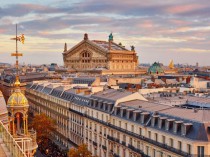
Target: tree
column 81, row 151
column 43, row 126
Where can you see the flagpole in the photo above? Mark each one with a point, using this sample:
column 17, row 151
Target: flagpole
column 16, row 51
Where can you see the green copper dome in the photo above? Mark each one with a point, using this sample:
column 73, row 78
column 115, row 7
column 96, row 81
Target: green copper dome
column 111, row 37
column 155, row 69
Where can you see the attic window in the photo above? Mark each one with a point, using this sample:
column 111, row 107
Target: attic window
column 185, row 128
column 176, row 126
column 161, row 122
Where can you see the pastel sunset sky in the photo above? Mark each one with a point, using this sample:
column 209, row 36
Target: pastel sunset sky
column 160, row 30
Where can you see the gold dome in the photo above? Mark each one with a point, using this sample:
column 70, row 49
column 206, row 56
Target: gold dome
column 17, row 83
column 17, row 99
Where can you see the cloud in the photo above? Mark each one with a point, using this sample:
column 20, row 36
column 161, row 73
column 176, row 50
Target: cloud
column 192, row 50
column 179, row 9
column 152, row 25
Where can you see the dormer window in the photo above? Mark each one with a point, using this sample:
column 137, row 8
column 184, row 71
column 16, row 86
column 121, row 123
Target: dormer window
column 122, row 111
column 184, row 130
column 115, row 110
column 168, row 124
column 175, row 127
column 160, row 123
column 142, row 118
column 185, row 127
column 136, row 115
column 127, row 114
column 153, row 121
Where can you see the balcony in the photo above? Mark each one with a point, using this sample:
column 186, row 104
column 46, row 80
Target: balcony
column 77, row 112
column 115, row 155
column 94, row 143
column 148, row 140
column 10, row 143
column 161, row 145
column 123, row 143
column 104, row 147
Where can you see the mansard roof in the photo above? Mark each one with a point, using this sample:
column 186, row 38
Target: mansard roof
column 198, row 122
column 166, row 110
column 101, row 45
column 105, row 45
column 111, row 94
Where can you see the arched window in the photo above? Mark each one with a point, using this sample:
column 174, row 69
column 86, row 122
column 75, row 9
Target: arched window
column 85, row 54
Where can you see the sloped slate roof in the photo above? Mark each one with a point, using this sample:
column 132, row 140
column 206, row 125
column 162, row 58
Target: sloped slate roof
column 105, row 45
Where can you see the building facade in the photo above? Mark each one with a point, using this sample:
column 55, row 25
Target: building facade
column 120, row 123
column 96, row 55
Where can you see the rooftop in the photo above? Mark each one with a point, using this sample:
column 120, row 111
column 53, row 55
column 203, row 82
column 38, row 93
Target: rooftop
column 105, row 45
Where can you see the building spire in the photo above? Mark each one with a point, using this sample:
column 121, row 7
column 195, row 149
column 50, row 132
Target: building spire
column 110, row 40
column 65, row 47
column 16, row 54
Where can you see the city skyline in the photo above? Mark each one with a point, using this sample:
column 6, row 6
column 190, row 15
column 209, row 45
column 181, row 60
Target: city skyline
column 159, row 30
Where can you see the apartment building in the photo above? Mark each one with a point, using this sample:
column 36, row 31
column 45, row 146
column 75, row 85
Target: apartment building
column 121, row 123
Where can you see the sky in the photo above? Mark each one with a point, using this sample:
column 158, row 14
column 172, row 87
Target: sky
column 159, row 30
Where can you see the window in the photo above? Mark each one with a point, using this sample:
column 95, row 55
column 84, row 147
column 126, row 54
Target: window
column 171, row 142
column 105, row 131
column 140, row 131
column 95, row 127
column 167, row 125
column 163, row 139
column 175, row 127
column 147, row 150
column 138, row 145
column 124, row 138
column 113, row 121
column 184, row 130
column 132, row 128
column 188, row 148
column 131, row 141
column 154, row 152
column 156, row 137
column 160, row 123
column 142, row 119
column 149, row 134
column 118, row 150
column 126, row 126
column 120, row 124
column 153, row 121
column 201, row 151
column 118, row 135
column 179, row 145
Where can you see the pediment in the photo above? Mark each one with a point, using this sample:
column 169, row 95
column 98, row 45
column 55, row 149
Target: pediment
column 85, row 45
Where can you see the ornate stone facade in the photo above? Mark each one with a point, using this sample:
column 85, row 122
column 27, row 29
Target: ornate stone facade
column 100, row 55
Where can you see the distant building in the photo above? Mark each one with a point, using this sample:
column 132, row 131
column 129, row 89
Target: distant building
column 155, row 68
column 105, row 57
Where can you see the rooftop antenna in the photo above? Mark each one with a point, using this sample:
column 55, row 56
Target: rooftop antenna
column 16, row 54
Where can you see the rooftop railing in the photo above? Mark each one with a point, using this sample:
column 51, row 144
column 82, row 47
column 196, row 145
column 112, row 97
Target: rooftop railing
column 10, row 142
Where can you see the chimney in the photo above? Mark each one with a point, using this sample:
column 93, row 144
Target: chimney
column 110, row 40
column 65, row 47
column 85, row 36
